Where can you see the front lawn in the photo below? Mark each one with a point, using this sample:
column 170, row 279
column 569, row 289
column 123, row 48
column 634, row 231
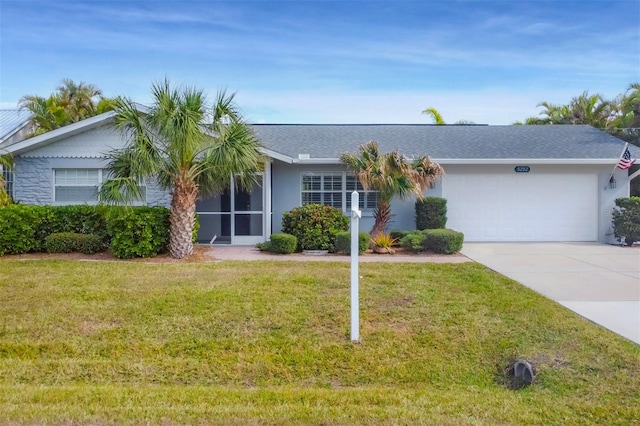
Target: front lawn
column 268, row 343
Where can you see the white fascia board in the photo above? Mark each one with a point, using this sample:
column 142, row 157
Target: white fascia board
column 451, row 161
column 57, row 134
column 526, row 160
column 276, row 156
column 317, row 161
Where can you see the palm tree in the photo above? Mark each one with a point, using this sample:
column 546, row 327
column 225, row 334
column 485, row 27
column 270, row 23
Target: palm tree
column 70, row 103
column 391, row 174
column 628, row 108
column 555, row 114
column 437, row 117
column 593, row 110
column 78, row 98
column 191, row 150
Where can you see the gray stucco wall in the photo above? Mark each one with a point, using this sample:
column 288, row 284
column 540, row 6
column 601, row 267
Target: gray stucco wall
column 286, row 195
column 33, row 181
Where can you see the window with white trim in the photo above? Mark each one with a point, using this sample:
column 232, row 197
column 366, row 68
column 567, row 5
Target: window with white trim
column 334, row 189
column 79, row 186
column 368, row 199
column 8, row 177
column 76, row 185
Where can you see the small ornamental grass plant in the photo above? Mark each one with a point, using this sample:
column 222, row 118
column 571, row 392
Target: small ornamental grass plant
column 383, row 243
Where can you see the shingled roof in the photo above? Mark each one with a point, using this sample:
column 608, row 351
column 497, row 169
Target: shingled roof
column 568, row 142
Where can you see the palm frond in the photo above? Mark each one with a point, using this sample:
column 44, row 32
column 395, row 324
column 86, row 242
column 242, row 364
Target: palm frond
column 435, row 115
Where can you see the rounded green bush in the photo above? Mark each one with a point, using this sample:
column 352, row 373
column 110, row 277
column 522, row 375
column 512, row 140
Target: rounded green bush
column 282, row 243
column 413, row 241
column 343, row 242
column 315, row 226
column 71, row 242
column 443, row 241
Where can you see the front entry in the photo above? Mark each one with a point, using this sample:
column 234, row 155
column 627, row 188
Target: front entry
column 234, row 217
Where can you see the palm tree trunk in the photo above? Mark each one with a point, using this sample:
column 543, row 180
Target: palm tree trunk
column 182, row 217
column 382, row 216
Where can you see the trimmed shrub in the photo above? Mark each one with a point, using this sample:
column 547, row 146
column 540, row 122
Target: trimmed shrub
column 315, row 226
column 399, row 234
column 20, row 228
column 444, row 241
column 413, row 241
column 431, row 213
column 343, row 242
column 138, row 231
column 626, row 220
column 69, row 242
column 280, row 243
column 80, row 219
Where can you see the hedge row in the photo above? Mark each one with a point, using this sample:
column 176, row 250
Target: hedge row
column 128, row 231
column 444, row 241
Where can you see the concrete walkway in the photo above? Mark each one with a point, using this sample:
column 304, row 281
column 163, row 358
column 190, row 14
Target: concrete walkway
column 223, row 252
column 600, row 282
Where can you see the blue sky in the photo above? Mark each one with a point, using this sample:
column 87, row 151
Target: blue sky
column 329, row 61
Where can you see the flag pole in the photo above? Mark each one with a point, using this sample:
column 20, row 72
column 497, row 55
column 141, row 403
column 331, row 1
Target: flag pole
column 626, row 145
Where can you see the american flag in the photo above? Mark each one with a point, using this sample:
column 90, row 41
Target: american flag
column 625, row 160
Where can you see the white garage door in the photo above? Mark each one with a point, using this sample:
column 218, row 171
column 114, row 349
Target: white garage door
column 523, row 206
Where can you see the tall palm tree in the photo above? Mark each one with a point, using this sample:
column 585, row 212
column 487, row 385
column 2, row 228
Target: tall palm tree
column 591, row 109
column 629, row 108
column 555, row 114
column 70, row 103
column 391, row 174
column 78, row 98
column 191, row 149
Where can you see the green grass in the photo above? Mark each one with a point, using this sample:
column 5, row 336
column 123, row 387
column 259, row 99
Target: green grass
column 268, row 343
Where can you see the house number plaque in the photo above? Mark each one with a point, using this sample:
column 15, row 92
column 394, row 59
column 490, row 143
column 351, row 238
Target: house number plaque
column 522, row 169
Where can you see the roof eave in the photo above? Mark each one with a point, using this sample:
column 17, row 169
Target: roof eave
column 57, row 134
column 445, row 161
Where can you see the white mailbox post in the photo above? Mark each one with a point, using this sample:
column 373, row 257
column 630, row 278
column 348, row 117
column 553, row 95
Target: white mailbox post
column 356, row 214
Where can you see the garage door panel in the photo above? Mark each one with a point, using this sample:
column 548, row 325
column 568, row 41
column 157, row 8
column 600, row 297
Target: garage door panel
column 523, row 207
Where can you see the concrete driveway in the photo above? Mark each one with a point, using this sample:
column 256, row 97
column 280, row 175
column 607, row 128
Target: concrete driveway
column 600, row 282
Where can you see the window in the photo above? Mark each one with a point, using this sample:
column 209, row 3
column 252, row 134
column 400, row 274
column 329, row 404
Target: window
column 76, row 185
column 80, row 185
column 334, row 189
column 7, row 175
column 368, row 199
column 322, row 188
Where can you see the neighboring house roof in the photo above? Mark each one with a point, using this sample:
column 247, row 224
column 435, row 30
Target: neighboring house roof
column 446, row 144
column 12, row 121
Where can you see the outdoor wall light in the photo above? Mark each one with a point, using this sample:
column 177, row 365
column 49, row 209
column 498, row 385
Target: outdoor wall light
column 612, row 182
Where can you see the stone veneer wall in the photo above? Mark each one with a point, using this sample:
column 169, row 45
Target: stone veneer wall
column 33, row 180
